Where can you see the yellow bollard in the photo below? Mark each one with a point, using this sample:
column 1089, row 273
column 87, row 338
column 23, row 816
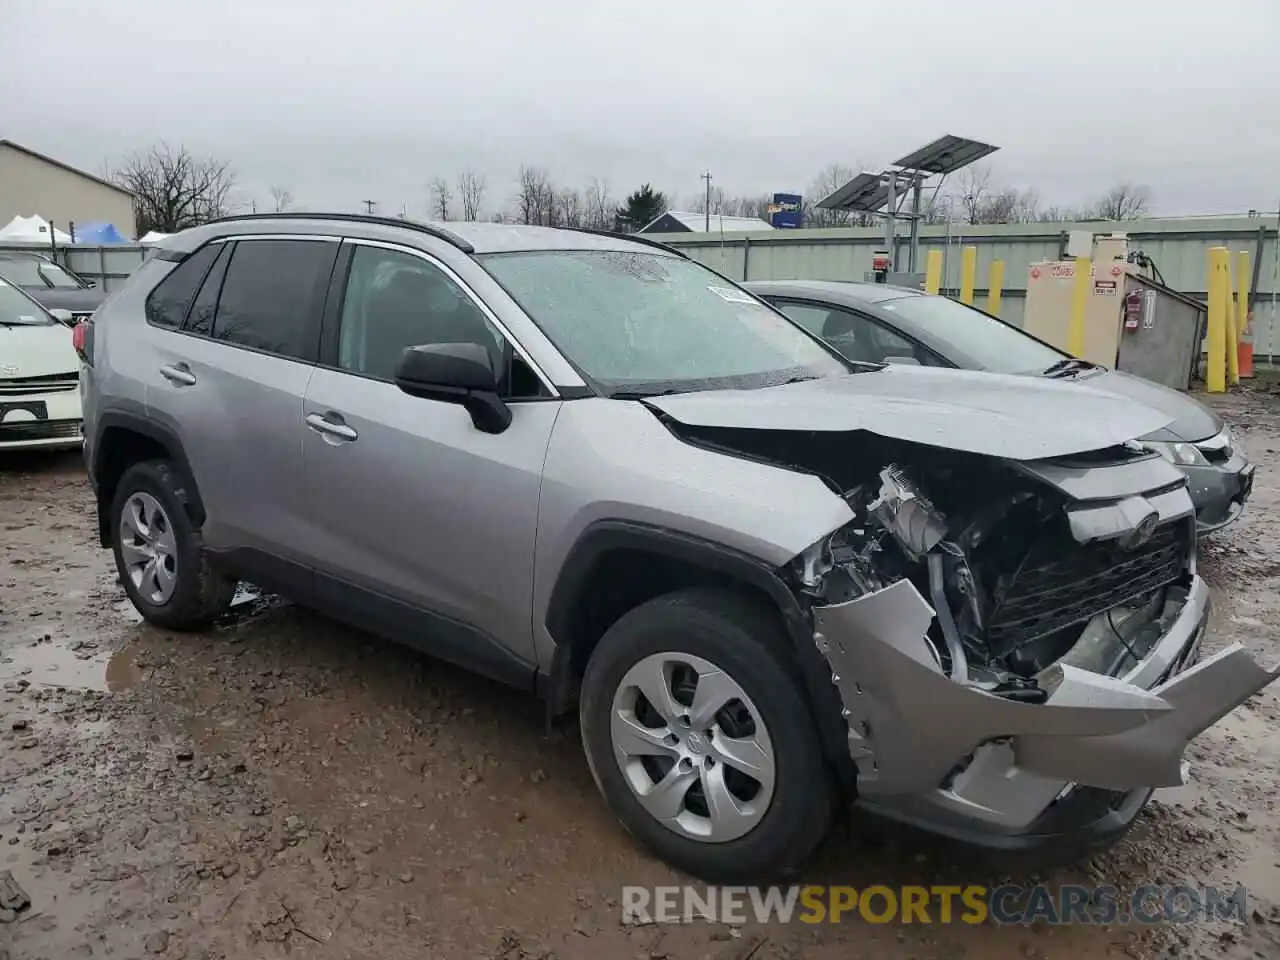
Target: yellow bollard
column 995, row 287
column 1079, row 300
column 1233, row 335
column 933, row 272
column 1216, row 365
column 968, row 274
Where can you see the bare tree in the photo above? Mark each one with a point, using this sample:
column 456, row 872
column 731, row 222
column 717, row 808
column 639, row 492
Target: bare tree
column 698, row 203
column 1026, row 208
column 471, row 187
column 173, row 189
column 975, row 183
column 1124, row 201
column 569, row 208
column 441, row 198
column 281, row 198
column 936, row 207
column 600, row 205
column 535, row 197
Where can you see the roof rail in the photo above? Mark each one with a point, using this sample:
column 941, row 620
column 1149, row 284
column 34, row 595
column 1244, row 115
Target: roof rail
column 634, row 238
column 439, row 233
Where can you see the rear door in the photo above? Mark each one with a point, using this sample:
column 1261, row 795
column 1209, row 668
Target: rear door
column 232, row 381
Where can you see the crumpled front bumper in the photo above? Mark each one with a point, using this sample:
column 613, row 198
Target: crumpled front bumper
column 953, row 757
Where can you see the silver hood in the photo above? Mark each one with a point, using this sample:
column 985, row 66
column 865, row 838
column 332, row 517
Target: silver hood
column 1017, row 418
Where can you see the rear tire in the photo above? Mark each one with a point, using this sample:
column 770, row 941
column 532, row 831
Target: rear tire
column 159, row 552
column 739, row 794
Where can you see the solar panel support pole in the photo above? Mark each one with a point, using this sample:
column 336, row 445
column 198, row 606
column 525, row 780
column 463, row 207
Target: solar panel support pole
column 917, row 190
column 889, row 240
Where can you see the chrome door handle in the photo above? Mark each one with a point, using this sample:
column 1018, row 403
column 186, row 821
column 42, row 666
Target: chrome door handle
column 179, row 374
column 322, row 424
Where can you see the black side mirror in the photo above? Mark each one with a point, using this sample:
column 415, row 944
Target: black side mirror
column 459, row 373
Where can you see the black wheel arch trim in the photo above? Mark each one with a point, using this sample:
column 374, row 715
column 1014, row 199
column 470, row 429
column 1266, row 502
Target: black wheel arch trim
column 558, row 685
column 167, row 438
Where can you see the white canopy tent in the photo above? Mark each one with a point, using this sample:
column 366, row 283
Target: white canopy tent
column 33, row 229
column 154, row 236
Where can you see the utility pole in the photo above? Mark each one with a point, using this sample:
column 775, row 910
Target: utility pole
column 369, row 205
column 707, row 177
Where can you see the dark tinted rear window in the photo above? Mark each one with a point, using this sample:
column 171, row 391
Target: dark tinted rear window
column 273, row 295
column 167, row 305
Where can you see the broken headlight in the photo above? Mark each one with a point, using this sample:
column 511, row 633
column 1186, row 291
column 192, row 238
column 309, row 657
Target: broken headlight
column 1180, row 453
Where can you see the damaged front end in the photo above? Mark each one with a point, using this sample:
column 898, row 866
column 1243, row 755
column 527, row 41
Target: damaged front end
column 1002, row 633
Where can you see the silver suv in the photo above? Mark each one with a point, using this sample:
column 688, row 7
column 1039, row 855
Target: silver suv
column 771, row 580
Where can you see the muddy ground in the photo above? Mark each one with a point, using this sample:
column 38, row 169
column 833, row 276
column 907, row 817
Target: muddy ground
column 283, row 786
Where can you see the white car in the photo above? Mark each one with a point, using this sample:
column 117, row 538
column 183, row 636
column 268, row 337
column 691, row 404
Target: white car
column 39, row 376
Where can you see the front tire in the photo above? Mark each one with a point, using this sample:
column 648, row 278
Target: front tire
column 159, row 553
column 700, row 739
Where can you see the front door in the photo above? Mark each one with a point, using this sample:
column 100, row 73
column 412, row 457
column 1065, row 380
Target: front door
column 421, row 526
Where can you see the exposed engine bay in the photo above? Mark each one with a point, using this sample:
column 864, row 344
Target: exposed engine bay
column 994, row 550
column 1012, row 589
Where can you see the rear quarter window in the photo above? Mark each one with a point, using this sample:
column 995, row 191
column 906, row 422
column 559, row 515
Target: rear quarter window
column 168, row 303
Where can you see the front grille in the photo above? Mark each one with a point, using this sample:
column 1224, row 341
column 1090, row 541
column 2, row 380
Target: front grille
column 50, row 383
column 40, row 430
column 1062, row 584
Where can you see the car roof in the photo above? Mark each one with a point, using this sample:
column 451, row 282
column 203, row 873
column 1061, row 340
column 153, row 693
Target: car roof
column 470, row 237
column 847, row 292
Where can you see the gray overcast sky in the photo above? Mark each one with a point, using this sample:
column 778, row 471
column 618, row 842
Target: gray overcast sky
column 344, row 101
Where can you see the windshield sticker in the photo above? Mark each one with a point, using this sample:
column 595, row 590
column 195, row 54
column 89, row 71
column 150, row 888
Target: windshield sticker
column 733, row 296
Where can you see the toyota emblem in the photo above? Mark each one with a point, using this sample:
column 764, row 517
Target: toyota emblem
column 1141, row 533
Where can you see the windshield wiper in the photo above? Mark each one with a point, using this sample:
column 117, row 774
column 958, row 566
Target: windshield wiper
column 641, row 394
column 1066, row 366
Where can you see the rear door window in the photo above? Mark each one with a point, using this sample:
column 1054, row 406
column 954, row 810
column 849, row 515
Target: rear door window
column 272, row 296
column 168, row 303
column 200, row 319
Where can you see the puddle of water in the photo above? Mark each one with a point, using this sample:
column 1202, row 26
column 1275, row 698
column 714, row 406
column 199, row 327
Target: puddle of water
column 55, row 665
column 122, row 671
